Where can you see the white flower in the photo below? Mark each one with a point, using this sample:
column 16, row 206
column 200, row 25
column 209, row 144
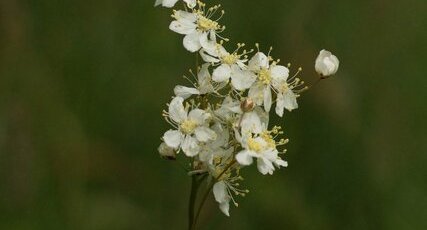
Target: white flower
column 228, row 110
column 196, row 26
column 286, row 97
column 171, row 3
column 192, row 128
column 203, row 86
column 254, row 122
column 217, row 148
column 326, row 63
column 268, row 77
column 262, row 147
column 229, row 65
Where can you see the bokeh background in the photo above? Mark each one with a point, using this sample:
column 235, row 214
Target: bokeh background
column 83, row 83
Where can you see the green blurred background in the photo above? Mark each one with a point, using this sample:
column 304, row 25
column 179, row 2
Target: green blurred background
column 83, row 83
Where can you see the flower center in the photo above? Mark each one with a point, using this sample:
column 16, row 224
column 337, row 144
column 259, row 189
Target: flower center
column 264, row 76
column 188, row 126
column 266, row 136
column 206, row 24
column 230, row 59
column 284, row 87
column 254, row 145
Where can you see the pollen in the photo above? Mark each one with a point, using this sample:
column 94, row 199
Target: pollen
column 230, row 59
column 205, row 24
column 254, row 145
column 188, row 126
column 264, row 76
column 266, row 136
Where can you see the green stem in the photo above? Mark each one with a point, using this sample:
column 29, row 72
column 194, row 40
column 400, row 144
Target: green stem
column 191, row 203
column 208, row 191
column 196, row 181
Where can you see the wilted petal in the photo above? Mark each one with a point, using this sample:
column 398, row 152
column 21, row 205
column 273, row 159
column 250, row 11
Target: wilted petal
column 173, row 138
column 166, row 151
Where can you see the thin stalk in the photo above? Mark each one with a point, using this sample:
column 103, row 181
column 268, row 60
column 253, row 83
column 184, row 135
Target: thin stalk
column 208, row 191
column 192, row 200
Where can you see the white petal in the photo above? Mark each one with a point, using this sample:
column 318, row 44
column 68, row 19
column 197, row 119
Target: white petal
column 185, row 92
column 225, row 207
column 205, row 134
column 265, row 166
column 182, row 28
column 326, row 63
column 176, row 110
column 209, row 44
column 244, row 158
column 220, row 192
column 258, row 61
column 204, row 79
column 199, row 116
column 251, row 123
column 279, row 162
column 279, row 73
column 166, row 3
column 267, row 99
column 206, row 56
column 280, row 104
column 192, row 42
column 185, row 17
column 241, row 79
column 173, row 138
column 256, row 93
column 190, row 146
column 191, row 3
column 221, row 73
column 290, row 100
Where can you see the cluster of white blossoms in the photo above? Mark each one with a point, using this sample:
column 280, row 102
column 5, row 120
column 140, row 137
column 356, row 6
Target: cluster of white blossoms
column 221, row 122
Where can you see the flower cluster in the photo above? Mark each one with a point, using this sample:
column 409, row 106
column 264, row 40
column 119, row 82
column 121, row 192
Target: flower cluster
column 221, row 122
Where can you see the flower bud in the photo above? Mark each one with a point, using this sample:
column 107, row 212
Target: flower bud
column 326, row 64
column 247, row 105
column 166, row 152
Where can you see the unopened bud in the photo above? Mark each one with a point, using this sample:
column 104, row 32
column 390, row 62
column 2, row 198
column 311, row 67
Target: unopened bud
column 247, row 105
column 166, row 152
